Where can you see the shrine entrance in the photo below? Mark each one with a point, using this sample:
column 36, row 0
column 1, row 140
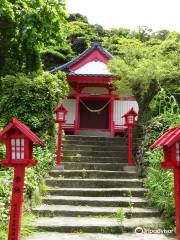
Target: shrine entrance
column 94, row 114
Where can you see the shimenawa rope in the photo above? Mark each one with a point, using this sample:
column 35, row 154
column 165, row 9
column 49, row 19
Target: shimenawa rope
column 95, row 110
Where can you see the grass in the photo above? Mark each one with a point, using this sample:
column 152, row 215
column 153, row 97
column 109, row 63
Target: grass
column 77, row 157
column 84, row 173
column 61, row 177
column 130, row 206
column 26, row 226
column 27, row 221
column 120, row 215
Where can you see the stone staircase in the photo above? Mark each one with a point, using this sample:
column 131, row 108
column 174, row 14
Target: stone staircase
column 94, row 193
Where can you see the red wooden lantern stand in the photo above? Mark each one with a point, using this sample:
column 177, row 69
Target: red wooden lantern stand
column 60, row 113
column 170, row 141
column 130, row 122
column 19, row 141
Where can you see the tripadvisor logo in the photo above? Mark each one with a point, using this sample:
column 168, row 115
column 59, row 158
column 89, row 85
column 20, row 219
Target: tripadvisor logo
column 139, row 230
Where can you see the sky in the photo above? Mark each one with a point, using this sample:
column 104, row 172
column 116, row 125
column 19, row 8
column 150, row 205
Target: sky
column 155, row 14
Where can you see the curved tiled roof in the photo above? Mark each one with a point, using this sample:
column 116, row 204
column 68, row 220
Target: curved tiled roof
column 95, row 45
column 90, row 75
column 22, row 128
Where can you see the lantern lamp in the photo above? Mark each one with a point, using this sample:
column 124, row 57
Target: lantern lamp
column 170, row 142
column 60, row 113
column 130, row 117
column 19, row 141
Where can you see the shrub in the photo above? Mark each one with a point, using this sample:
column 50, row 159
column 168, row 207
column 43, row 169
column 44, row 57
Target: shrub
column 159, row 182
column 32, row 99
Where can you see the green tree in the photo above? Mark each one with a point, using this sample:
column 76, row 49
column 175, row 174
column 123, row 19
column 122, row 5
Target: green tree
column 81, row 34
column 32, row 99
column 77, row 17
column 145, row 68
column 27, row 28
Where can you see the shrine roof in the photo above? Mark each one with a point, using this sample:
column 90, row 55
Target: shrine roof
column 15, row 123
column 168, row 138
column 89, row 75
column 98, row 65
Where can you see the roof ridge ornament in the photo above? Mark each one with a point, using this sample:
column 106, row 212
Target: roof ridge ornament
column 96, row 44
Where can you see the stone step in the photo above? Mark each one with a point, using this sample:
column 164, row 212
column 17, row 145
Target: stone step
column 96, row 143
column 76, row 211
column 82, row 153
column 94, row 147
column 98, row 192
column 94, row 133
column 93, row 183
column 94, row 138
column 94, row 225
column 92, row 174
column 95, row 201
column 76, row 165
column 96, row 236
column 94, row 159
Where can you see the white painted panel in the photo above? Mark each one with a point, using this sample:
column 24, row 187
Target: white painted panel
column 70, row 104
column 95, row 90
column 94, row 67
column 121, row 107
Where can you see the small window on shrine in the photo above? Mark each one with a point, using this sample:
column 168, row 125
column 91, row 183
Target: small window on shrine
column 17, row 149
column 177, row 151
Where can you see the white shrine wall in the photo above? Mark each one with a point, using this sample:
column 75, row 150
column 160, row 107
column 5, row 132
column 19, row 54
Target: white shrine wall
column 121, row 107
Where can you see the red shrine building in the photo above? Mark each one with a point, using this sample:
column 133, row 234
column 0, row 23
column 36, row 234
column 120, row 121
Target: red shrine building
column 93, row 105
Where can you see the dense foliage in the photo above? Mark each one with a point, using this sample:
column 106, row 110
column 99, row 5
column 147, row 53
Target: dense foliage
column 146, row 67
column 159, row 182
column 27, row 27
column 32, row 99
column 29, row 30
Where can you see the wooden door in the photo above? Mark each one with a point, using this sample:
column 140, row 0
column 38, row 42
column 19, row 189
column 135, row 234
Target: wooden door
column 94, row 120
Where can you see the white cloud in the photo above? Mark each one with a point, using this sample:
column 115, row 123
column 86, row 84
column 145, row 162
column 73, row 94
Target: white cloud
column 155, row 14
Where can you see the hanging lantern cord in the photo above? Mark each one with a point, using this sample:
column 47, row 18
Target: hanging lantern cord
column 95, row 110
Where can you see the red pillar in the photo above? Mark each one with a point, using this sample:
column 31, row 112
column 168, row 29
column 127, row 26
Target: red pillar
column 58, row 159
column 76, row 115
column 177, row 199
column 16, row 203
column 130, row 157
column 112, row 117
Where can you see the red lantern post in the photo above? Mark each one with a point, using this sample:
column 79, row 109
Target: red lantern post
column 19, row 141
column 61, row 113
column 170, row 141
column 130, row 122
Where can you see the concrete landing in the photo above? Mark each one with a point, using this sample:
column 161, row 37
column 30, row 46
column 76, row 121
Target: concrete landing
column 83, row 236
